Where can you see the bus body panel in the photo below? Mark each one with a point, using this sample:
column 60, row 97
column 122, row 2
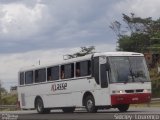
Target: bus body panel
column 129, row 86
column 72, row 95
column 102, row 97
column 70, row 92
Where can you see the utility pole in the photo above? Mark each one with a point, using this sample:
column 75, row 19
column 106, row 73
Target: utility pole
column 39, row 62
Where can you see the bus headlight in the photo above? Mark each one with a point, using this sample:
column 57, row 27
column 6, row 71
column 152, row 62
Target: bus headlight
column 147, row 90
column 118, row 91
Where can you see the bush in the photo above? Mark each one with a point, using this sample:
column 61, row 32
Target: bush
column 156, row 88
column 9, row 100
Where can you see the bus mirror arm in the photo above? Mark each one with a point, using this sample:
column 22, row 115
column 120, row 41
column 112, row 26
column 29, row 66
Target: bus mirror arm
column 107, row 67
column 90, row 77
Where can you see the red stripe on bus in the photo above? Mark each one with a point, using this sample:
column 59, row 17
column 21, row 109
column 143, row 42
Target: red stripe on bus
column 117, row 99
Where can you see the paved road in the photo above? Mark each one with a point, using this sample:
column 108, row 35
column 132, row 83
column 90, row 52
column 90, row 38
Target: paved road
column 112, row 114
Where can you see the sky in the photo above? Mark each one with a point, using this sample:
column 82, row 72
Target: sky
column 45, row 30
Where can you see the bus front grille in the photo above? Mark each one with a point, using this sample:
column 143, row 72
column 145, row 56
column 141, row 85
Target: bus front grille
column 139, row 90
column 129, row 91
column 134, row 91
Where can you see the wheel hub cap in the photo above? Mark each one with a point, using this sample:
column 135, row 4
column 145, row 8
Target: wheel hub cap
column 89, row 104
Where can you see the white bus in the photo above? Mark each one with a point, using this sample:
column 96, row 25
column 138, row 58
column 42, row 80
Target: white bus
column 97, row 81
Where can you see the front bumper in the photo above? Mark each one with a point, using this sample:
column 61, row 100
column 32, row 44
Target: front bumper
column 135, row 98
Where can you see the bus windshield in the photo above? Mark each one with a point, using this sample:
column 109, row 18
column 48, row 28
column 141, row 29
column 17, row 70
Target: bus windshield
column 128, row 69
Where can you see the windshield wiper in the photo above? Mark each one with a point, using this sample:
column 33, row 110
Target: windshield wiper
column 139, row 79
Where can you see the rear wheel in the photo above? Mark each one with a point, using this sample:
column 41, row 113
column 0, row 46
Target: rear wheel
column 123, row 108
column 40, row 107
column 90, row 104
column 68, row 109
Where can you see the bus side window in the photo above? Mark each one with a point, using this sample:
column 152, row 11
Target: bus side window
column 67, row 71
column 78, row 69
column 21, row 78
column 29, row 77
column 83, row 68
column 53, row 73
column 62, row 72
column 40, row 75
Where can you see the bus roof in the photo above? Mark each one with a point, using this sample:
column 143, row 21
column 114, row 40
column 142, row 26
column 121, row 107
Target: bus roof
column 118, row 54
column 86, row 57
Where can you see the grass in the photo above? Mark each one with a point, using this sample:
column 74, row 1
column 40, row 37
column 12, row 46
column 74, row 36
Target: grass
column 9, row 99
column 152, row 104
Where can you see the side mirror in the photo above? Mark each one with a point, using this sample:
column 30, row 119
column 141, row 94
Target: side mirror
column 103, row 76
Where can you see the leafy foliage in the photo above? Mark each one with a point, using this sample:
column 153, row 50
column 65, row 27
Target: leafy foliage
column 9, row 100
column 156, row 88
column 137, row 34
column 2, row 91
column 84, row 51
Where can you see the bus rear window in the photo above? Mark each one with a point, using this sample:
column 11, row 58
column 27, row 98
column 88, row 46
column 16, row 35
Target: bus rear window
column 29, row 77
column 21, row 78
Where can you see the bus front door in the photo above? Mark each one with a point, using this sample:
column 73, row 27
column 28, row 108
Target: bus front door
column 104, row 78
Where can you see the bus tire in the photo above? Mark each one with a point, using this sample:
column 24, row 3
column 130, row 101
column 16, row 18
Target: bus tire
column 47, row 110
column 40, row 107
column 68, row 109
column 90, row 104
column 123, row 108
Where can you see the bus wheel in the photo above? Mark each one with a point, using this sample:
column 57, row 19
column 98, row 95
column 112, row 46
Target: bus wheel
column 40, row 107
column 123, row 108
column 90, row 104
column 68, row 109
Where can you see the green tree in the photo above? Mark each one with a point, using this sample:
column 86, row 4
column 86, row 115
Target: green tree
column 137, row 34
column 84, row 51
column 2, row 91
